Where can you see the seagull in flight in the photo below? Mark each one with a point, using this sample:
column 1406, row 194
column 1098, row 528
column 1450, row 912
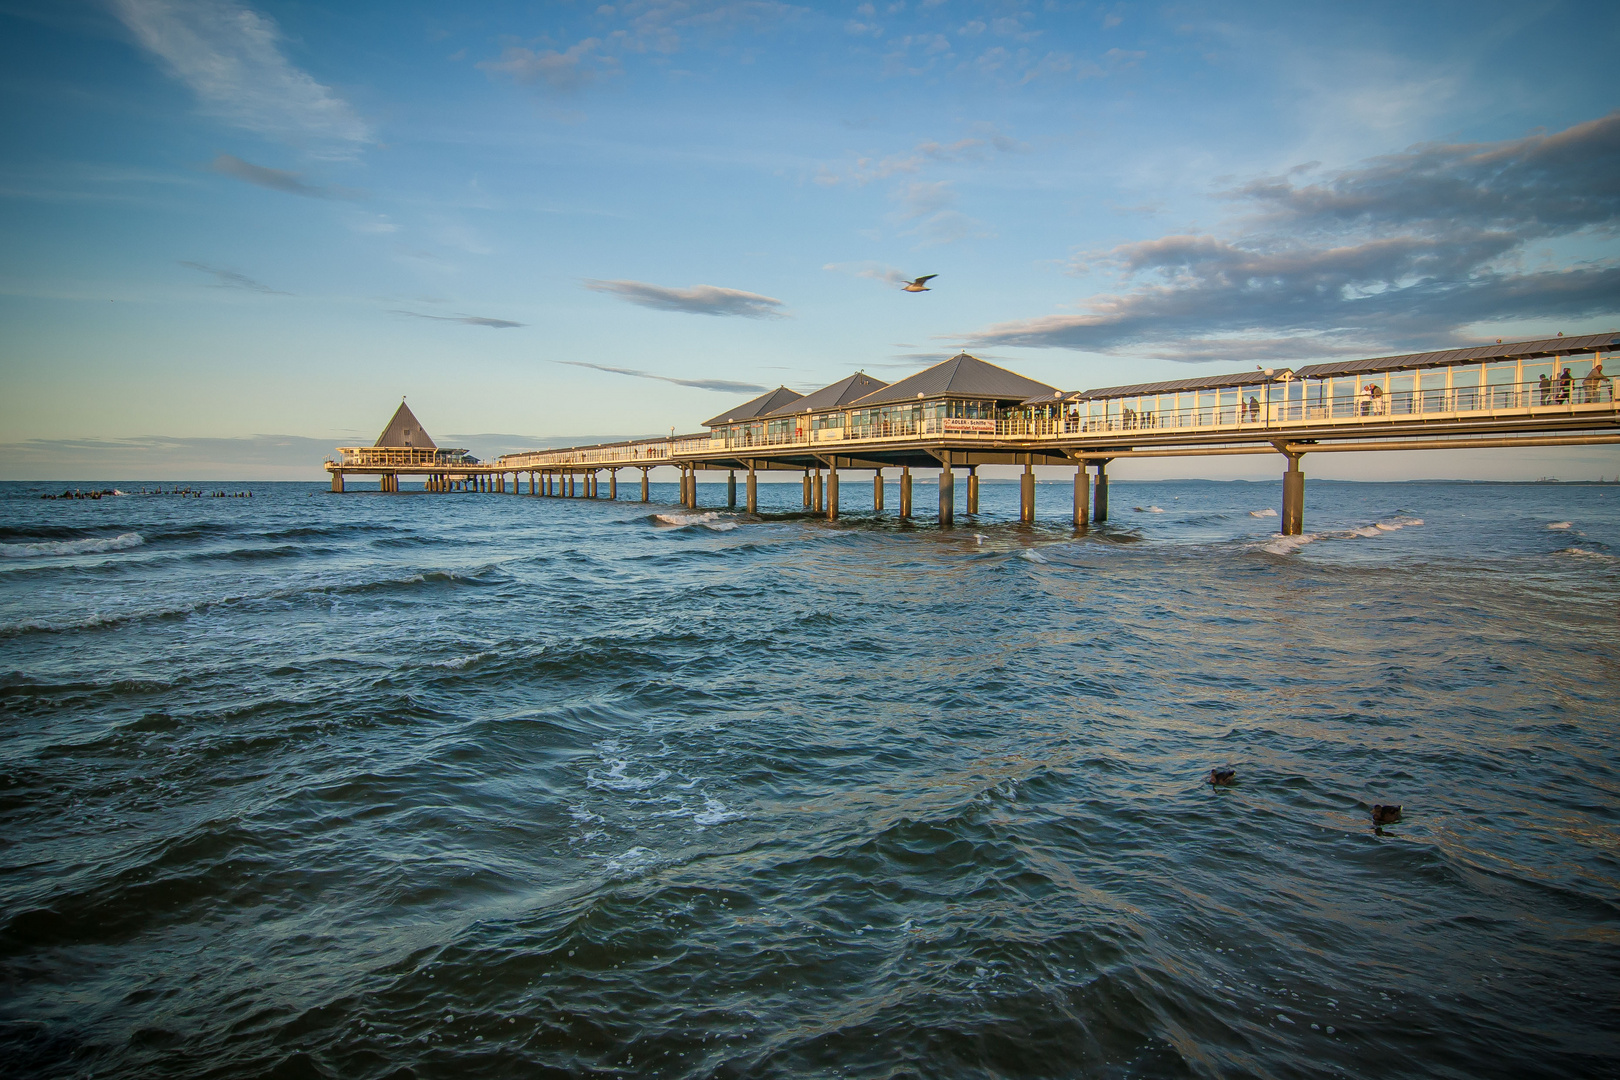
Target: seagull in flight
column 920, row 285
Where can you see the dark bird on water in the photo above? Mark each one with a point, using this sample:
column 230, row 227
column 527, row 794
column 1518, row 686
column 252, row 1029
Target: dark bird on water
column 920, row 285
column 1386, row 815
column 1222, row 777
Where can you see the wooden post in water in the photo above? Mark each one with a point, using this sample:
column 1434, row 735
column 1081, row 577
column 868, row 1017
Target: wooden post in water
column 337, row 483
column 731, row 489
column 613, row 484
column 646, row 492
column 807, row 489
column 1293, row 507
column 947, row 497
column 832, row 491
column 973, row 489
column 1082, row 497
column 877, row 491
column 820, row 504
column 1026, row 494
column 1099, row 512
column 753, row 490
column 905, row 492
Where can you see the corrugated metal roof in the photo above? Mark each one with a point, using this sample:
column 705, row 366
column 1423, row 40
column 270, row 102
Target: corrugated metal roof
column 405, row 430
column 962, row 376
column 1510, row 350
column 842, row 392
column 749, row 410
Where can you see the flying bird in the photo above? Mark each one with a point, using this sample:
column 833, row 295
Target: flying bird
column 919, row 285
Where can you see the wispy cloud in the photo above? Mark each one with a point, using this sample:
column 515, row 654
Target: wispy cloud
column 1406, row 250
column 875, row 271
column 725, row 385
column 697, row 300
column 635, row 27
column 230, row 57
column 230, row 279
column 557, row 70
column 466, row 320
column 277, row 179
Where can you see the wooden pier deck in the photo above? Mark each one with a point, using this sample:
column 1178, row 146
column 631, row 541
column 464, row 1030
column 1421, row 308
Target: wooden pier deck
column 964, row 413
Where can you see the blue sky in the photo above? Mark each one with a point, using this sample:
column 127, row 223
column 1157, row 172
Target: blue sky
column 228, row 220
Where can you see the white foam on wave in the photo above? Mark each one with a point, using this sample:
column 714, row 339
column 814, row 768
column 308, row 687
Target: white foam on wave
column 634, row 861
column 459, row 662
column 1287, row 545
column 715, row 812
column 618, row 776
column 1148, row 509
column 1267, row 512
column 1561, row 525
column 1032, row 556
column 1583, row 553
column 708, row 519
column 121, row 542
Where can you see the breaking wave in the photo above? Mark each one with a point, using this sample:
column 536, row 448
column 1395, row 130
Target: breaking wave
column 122, row 542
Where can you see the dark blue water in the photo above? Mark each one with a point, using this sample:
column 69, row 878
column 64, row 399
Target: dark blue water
column 470, row 785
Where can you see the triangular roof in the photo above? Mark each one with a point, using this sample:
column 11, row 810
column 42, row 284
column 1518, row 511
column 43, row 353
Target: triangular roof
column 962, row 376
column 842, row 392
column 769, row 401
column 405, row 430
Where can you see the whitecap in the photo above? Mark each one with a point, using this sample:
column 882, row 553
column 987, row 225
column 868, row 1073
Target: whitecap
column 1561, row 525
column 72, row 547
column 1148, row 509
column 1583, row 553
column 708, row 519
column 1267, row 512
column 1032, row 556
column 1287, row 545
column 619, row 779
column 633, row 861
column 715, row 812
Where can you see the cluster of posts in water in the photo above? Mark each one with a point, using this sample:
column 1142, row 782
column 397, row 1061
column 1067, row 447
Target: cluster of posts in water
column 184, row 493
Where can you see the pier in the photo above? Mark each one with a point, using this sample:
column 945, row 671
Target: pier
column 964, row 413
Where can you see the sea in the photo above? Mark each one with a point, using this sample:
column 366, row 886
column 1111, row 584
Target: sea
column 295, row 784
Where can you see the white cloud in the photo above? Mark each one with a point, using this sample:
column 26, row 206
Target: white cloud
column 230, row 57
column 697, row 300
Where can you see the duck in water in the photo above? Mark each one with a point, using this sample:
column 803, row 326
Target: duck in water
column 1222, row 777
column 1386, row 815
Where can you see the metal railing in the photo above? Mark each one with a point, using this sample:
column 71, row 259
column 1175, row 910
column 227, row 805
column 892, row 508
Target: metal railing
column 1531, row 399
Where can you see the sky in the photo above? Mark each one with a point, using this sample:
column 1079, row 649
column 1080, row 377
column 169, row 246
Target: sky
column 238, row 232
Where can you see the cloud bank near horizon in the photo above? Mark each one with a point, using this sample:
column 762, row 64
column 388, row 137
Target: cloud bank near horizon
column 1405, row 250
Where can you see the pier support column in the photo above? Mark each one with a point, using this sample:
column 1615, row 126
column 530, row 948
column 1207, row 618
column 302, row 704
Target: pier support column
column 613, row 484
column 691, row 488
column 570, row 494
column 534, row 483
column 1082, row 497
column 1026, row 495
column 753, row 490
column 832, row 491
column 337, row 483
column 877, row 491
column 807, row 489
column 1293, row 507
column 947, row 497
column 905, row 493
column 973, row 489
column 646, row 492
column 731, row 489
column 820, row 504
column 1099, row 500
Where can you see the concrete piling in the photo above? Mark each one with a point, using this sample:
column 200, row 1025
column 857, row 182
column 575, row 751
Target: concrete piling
column 832, row 492
column 1099, row 500
column 905, row 493
column 753, row 490
column 731, row 489
column 947, row 498
column 877, row 492
column 1082, row 498
column 1026, row 495
column 1293, row 507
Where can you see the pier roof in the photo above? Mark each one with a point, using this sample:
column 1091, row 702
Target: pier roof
column 405, row 430
column 1170, row 386
column 1511, row 350
column 769, row 401
column 842, row 392
column 962, row 376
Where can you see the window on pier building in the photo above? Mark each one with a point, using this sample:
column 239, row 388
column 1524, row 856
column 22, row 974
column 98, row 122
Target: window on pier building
column 823, row 421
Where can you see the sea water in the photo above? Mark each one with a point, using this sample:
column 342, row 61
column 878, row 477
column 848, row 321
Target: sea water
column 464, row 785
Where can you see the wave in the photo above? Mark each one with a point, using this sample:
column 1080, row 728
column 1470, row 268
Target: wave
column 1267, row 512
column 1148, row 509
column 708, row 519
column 1561, row 525
column 1032, row 556
column 1287, row 545
column 89, row 546
column 1584, row 553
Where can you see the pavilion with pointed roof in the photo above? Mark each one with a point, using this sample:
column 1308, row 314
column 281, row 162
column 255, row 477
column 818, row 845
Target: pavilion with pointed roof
column 405, row 430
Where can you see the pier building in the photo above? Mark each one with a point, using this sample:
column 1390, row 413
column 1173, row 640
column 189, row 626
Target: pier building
column 964, row 412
